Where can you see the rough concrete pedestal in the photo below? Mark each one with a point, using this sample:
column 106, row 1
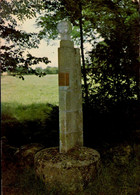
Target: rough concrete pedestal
column 69, row 172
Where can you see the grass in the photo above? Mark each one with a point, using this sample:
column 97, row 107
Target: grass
column 117, row 180
column 22, row 113
column 24, row 124
column 112, row 179
column 31, row 90
column 28, row 116
column 30, row 109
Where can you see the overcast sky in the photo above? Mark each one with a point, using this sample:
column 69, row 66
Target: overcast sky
column 45, row 49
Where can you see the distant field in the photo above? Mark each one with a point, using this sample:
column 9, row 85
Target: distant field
column 29, row 91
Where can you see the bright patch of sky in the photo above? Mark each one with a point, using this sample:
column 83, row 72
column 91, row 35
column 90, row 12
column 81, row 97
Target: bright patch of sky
column 45, row 49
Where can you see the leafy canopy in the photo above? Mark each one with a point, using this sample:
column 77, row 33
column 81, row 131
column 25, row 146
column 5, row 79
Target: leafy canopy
column 15, row 41
column 112, row 61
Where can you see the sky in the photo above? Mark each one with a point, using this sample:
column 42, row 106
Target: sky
column 45, row 49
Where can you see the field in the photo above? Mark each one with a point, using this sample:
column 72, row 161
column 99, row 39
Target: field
column 30, row 109
column 29, row 115
column 31, row 90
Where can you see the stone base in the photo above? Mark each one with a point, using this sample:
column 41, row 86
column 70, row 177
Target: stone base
column 71, row 171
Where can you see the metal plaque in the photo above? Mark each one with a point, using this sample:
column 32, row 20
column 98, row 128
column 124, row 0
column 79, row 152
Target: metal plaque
column 63, row 79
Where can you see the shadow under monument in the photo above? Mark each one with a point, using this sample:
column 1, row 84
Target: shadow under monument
column 102, row 128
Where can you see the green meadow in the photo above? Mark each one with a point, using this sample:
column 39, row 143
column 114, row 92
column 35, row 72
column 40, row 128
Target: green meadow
column 32, row 89
column 30, row 109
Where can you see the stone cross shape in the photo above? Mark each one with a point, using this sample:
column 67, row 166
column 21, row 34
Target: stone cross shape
column 70, row 95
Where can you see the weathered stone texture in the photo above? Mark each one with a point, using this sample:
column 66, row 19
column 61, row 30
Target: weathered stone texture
column 71, row 171
column 70, row 97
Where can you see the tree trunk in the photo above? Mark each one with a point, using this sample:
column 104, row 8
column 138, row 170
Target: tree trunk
column 139, row 59
column 82, row 54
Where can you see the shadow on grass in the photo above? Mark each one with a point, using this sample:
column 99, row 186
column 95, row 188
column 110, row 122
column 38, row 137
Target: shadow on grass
column 31, row 123
column 111, row 180
column 24, row 124
column 40, row 123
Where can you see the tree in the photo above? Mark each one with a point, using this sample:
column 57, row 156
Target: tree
column 56, row 11
column 16, row 41
column 113, row 61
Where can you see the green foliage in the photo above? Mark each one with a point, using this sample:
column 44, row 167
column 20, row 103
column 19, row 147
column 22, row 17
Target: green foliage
column 21, row 9
column 54, row 12
column 49, row 70
column 23, row 124
column 14, row 41
column 113, row 61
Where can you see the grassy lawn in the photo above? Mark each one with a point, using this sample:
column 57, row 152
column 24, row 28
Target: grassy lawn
column 31, row 90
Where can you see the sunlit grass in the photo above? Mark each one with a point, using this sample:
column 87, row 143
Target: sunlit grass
column 22, row 113
column 31, row 90
column 29, row 109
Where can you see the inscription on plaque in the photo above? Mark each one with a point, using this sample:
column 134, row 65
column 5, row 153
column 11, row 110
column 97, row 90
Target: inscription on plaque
column 63, row 79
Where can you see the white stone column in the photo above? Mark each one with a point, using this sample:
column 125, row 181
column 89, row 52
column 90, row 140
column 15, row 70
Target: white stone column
column 70, row 95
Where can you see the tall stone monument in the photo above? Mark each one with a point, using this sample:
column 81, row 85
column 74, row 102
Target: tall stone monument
column 70, row 95
column 71, row 167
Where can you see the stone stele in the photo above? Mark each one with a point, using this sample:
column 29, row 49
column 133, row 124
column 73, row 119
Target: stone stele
column 70, row 95
column 71, row 167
